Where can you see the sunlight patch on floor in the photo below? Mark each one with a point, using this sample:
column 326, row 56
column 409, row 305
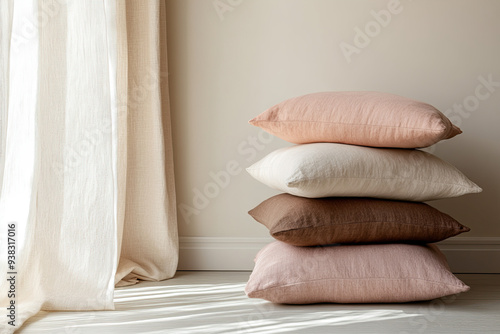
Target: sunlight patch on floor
column 215, row 303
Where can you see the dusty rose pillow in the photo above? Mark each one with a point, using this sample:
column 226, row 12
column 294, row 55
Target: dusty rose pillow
column 358, row 118
column 303, row 221
column 385, row 273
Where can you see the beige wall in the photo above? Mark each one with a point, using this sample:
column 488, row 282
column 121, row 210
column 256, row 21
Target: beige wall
column 232, row 59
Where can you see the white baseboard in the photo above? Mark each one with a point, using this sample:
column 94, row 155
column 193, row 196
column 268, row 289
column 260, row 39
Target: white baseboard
column 479, row 255
column 213, row 253
column 465, row 255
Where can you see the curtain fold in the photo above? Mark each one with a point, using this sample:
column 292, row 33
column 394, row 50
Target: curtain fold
column 149, row 195
column 86, row 170
column 5, row 32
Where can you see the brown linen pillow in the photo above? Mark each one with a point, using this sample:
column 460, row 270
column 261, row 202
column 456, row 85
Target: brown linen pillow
column 303, row 221
column 359, row 118
column 385, row 273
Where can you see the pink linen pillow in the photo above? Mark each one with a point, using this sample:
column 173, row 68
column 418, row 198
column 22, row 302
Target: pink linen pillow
column 384, row 273
column 358, row 118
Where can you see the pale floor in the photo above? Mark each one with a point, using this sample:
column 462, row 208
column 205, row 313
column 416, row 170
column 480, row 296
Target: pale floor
column 214, row 302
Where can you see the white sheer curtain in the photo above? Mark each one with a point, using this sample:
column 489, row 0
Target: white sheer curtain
column 86, row 171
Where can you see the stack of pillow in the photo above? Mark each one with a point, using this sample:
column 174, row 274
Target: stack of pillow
column 351, row 226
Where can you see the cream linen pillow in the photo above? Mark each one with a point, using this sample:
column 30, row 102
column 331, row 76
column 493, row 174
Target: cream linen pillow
column 359, row 118
column 385, row 273
column 329, row 169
